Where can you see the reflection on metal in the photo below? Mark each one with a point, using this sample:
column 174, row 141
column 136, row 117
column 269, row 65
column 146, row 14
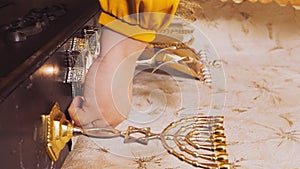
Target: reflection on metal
column 184, row 60
column 199, row 141
column 181, row 47
column 81, row 51
column 75, row 75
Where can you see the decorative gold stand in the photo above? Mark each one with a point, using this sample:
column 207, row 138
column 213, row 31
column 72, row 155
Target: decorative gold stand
column 57, row 131
column 199, row 141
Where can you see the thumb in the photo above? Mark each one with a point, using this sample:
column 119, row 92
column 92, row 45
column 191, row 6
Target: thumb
column 76, row 112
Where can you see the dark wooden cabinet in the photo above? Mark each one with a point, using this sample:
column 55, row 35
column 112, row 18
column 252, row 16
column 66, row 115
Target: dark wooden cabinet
column 32, row 75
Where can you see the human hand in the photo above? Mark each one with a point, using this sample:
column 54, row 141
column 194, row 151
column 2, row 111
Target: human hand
column 108, row 83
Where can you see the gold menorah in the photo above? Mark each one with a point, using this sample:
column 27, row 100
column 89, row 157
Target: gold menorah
column 199, row 141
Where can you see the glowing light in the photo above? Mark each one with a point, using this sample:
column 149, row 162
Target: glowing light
column 49, row 70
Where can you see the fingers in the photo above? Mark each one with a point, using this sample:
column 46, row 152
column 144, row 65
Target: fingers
column 79, row 115
column 75, row 105
column 89, row 117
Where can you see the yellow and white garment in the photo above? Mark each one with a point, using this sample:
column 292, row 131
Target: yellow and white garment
column 138, row 19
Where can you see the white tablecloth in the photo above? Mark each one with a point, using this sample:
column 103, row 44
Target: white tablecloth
column 260, row 49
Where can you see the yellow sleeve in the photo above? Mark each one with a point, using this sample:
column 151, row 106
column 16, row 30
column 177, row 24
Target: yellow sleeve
column 138, row 19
